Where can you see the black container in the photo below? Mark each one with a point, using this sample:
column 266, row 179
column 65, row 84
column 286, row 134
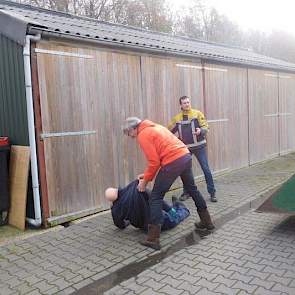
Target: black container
column 4, row 184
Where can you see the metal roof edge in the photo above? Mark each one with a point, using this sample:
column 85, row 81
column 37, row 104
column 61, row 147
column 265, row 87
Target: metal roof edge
column 157, row 51
column 14, row 28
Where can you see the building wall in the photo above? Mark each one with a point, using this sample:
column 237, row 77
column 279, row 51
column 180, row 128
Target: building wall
column 13, row 114
column 263, row 115
column 227, row 114
column 286, row 112
column 91, row 91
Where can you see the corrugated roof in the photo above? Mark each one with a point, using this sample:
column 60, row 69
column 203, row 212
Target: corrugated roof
column 67, row 25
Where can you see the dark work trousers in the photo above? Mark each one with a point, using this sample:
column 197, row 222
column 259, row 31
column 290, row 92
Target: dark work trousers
column 166, row 176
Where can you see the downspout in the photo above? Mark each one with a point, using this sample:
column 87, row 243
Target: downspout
column 31, row 127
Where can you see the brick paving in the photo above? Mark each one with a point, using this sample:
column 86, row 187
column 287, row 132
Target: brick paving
column 252, row 254
column 247, row 255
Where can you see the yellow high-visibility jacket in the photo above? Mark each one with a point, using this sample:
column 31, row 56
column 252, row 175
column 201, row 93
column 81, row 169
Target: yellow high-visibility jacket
column 184, row 125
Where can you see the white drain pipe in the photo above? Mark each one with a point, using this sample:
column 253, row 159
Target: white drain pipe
column 31, row 127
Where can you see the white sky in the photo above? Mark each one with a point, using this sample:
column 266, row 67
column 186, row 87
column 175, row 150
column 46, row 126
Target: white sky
column 263, row 15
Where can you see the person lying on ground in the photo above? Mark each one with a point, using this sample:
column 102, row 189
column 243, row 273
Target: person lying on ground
column 129, row 206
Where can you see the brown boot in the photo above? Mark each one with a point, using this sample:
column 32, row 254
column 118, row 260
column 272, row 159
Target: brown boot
column 206, row 222
column 153, row 237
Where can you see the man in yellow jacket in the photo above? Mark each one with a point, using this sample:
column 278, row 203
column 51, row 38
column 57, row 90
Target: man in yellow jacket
column 191, row 127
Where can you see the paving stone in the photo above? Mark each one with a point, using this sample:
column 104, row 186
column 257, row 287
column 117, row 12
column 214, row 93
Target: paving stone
column 282, row 288
column 206, row 284
column 151, row 283
column 262, row 291
column 192, row 289
column 225, row 281
column 281, row 280
column 82, row 284
column 156, row 276
column 6, row 290
column 100, row 275
column 42, row 286
column 279, row 272
column 61, row 284
column 76, row 279
column 262, row 283
column 170, row 290
column 35, row 292
column 66, row 291
column 238, row 269
column 141, row 279
column 222, row 289
column 174, row 283
column 258, row 274
column 54, row 290
column 148, row 292
column 226, row 273
column 203, row 266
column 285, row 266
column 117, row 291
column 33, row 279
column 14, row 282
column 205, row 291
column 173, row 273
column 188, row 278
column 268, row 262
column 246, row 287
column 255, row 266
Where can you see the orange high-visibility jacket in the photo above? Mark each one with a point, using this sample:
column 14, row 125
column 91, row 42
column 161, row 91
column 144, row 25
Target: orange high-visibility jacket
column 160, row 147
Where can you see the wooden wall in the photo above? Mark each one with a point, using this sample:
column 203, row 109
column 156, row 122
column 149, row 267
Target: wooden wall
column 227, row 114
column 263, row 115
column 91, row 91
column 87, row 94
column 287, row 112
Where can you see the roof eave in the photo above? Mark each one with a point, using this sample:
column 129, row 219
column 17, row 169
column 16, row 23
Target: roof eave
column 13, row 28
column 137, row 47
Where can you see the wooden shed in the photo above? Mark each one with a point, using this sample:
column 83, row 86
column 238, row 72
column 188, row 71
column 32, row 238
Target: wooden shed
column 88, row 76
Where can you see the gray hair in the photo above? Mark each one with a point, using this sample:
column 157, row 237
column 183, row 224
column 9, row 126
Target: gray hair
column 130, row 123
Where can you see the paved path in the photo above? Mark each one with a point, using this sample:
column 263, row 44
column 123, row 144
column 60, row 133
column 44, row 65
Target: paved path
column 64, row 261
column 253, row 254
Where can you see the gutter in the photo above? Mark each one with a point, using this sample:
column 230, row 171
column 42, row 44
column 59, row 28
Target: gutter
column 31, row 127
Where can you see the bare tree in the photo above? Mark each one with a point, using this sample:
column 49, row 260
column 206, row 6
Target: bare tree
column 197, row 21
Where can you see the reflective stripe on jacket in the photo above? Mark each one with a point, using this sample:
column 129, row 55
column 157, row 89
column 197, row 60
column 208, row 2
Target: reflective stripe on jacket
column 185, row 123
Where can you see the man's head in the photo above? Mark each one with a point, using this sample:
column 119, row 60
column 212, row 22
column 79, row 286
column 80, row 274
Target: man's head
column 111, row 194
column 185, row 103
column 130, row 126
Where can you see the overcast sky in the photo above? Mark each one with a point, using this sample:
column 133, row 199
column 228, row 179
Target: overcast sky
column 263, row 15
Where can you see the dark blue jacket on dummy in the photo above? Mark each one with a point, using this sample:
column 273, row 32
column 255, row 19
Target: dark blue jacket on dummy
column 132, row 207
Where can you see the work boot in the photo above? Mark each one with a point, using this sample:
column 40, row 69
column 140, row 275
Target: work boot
column 153, row 237
column 184, row 196
column 213, row 197
column 206, row 222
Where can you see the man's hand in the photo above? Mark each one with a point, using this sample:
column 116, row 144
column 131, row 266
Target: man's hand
column 140, row 176
column 141, row 185
column 198, row 131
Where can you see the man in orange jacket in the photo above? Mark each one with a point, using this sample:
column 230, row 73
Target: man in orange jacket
column 168, row 158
